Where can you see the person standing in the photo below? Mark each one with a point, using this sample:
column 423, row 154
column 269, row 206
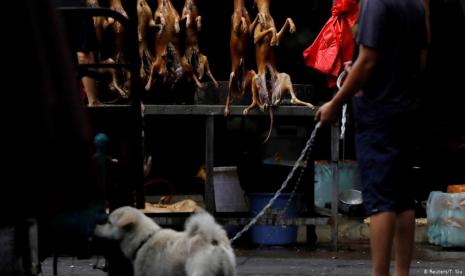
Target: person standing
column 392, row 44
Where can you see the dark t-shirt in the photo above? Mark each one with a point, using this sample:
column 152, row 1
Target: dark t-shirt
column 397, row 30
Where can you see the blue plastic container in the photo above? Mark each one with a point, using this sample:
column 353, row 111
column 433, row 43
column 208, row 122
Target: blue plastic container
column 274, row 235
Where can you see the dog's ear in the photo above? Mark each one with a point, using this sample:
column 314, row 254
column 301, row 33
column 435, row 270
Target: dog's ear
column 125, row 220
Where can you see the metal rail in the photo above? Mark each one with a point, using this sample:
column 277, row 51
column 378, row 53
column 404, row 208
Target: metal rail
column 240, row 221
column 218, row 110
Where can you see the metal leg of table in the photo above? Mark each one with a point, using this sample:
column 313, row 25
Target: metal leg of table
column 334, row 184
column 209, row 194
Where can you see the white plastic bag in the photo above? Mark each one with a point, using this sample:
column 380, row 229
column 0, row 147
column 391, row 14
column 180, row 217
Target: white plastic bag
column 446, row 219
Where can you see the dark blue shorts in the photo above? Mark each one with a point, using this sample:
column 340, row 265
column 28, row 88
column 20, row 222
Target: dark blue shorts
column 385, row 159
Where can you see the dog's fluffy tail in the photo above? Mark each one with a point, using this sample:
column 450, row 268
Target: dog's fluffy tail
column 219, row 257
column 204, row 224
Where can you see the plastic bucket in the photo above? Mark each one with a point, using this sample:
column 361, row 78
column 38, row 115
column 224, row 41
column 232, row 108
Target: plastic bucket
column 229, row 196
column 269, row 234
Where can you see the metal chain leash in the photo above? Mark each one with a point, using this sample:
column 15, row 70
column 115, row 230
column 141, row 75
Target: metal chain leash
column 343, row 122
column 305, row 153
column 303, row 167
column 339, row 81
column 281, row 212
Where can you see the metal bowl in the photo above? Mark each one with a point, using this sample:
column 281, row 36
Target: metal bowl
column 351, row 203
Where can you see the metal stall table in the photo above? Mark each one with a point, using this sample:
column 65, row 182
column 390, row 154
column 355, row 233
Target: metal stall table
column 209, row 113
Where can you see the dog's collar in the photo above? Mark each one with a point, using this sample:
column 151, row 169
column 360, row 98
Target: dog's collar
column 142, row 244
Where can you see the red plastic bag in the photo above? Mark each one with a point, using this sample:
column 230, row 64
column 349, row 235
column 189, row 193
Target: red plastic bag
column 322, row 54
column 334, row 44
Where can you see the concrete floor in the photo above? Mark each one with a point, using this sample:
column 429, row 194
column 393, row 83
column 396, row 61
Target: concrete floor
column 351, row 259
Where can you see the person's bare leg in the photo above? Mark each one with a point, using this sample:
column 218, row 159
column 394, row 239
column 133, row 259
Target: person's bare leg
column 382, row 228
column 89, row 83
column 403, row 242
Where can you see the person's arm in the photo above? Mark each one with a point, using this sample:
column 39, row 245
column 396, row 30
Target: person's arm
column 358, row 75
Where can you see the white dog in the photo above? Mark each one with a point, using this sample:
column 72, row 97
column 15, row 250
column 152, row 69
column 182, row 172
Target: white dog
column 202, row 249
